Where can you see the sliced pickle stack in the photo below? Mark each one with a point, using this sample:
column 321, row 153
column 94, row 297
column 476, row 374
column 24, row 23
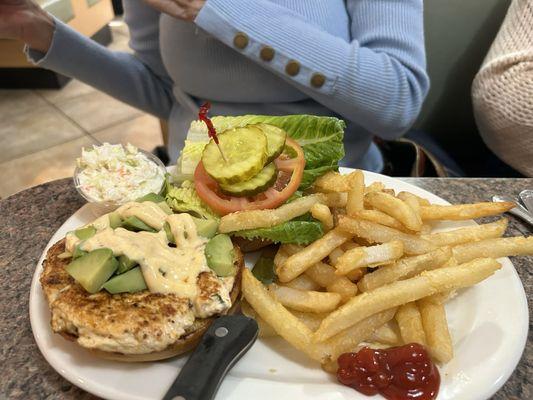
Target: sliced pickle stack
column 250, row 152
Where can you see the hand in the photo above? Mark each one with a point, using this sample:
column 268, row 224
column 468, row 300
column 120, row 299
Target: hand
column 186, row 10
column 25, row 20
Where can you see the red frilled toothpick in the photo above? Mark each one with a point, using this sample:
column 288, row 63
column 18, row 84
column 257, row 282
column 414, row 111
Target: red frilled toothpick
column 202, row 116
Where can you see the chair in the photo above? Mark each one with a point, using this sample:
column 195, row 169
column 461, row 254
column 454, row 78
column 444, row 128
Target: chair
column 458, row 36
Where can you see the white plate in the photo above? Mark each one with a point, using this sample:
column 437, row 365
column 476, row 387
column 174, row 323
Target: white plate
column 488, row 323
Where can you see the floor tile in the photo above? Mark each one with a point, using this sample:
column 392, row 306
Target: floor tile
column 72, row 89
column 14, row 102
column 43, row 166
column 96, row 110
column 143, row 132
column 39, row 129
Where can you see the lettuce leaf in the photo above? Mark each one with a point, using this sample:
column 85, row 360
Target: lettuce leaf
column 185, row 199
column 296, row 232
column 320, row 137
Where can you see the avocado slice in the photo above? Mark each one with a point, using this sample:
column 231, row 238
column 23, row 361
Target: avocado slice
column 114, row 220
column 131, row 282
column 135, row 224
column 93, row 269
column 206, row 227
column 78, row 252
column 125, row 264
column 85, row 233
column 219, row 254
column 170, row 236
column 164, row 206
column 156, row 198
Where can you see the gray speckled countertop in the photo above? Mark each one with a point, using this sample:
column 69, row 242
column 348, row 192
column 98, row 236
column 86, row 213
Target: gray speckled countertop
column 29, row 218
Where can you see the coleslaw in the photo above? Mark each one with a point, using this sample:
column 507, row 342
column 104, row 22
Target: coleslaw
column 117, row 173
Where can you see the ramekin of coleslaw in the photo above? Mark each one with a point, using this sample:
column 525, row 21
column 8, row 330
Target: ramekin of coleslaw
column 110, row 175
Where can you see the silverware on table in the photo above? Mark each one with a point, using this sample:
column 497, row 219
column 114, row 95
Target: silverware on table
column 518, row 211
column 526, row 196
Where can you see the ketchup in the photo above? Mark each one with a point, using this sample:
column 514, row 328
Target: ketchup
column 202, row 116
column 398, row 373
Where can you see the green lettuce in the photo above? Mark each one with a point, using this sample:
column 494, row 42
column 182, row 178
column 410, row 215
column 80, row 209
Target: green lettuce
column 320, row 137
column 185, row 199
column 296, row 232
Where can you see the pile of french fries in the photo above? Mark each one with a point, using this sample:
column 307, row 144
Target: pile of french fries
column 378, row 276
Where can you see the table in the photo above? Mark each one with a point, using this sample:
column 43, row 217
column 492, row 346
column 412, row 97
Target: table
column 28, row 219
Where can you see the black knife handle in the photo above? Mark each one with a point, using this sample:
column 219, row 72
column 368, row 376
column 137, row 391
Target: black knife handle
column 226, row 340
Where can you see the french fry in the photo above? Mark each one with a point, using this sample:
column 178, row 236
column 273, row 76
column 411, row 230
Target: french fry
column 349, row 245
column 396, row 208
column 323, row 214
column 386, row 334
column 410, row 324
column 468, row 234
column 305, row 300
column 364, row 256
column 374, row 187
column 315, row 252
column 324, row 275
column 401, row 292
column 242, row 220
column 463, row 211
column 302, row 282
column 438, row 339
column 404, row 268
column 335, row 254
column 377, row 233
column 279, row 318
column 296, row 332
column 412, row 201
column 333, row 200
column 379, row 217
column 344, row 287
column 356, row 193
column 356, row 274
column 265, row 330
column 331, row 366
column 332, row 182
column 311, row 320
column 421, row 201
column 280, row 258
column 495, row 248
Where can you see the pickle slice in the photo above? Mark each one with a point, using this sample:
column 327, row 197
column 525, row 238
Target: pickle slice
column 245, row 150
column 259, row 183
column 276, row 140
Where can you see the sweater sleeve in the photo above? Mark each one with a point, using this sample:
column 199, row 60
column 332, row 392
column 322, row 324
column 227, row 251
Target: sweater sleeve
column 377, row 80
column 122, row 75
column 503, row 89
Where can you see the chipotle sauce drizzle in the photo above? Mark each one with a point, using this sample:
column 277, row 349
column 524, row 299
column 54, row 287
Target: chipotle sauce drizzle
column 398, row 373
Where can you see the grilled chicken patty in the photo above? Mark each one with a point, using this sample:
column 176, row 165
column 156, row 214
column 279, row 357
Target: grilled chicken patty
column 128, row 323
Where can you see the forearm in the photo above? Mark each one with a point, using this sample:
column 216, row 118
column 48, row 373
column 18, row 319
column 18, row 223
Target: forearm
column 380, row 83
column 118, row 74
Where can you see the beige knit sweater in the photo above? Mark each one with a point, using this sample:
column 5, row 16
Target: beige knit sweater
column 502, row 92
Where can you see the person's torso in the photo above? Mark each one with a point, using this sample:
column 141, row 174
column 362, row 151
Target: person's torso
column 206, row 68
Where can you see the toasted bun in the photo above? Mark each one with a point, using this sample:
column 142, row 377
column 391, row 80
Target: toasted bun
column 54, row 278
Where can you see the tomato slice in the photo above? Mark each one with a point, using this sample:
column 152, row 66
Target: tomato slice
column 208, row 189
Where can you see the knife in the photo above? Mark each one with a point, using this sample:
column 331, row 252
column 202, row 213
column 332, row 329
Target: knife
column 518, row 210
column 223, row 344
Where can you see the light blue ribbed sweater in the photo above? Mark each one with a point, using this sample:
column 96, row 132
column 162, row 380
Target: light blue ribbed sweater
column 371, row 53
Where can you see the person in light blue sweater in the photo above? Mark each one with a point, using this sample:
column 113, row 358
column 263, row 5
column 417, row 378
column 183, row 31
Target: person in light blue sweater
column 360, row 60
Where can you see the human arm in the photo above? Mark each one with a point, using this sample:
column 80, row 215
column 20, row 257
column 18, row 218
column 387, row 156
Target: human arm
column 136, row 79
column 503, row 88
column 377, row 79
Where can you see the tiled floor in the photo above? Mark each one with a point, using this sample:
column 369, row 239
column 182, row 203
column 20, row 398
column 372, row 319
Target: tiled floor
column 42, row 131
